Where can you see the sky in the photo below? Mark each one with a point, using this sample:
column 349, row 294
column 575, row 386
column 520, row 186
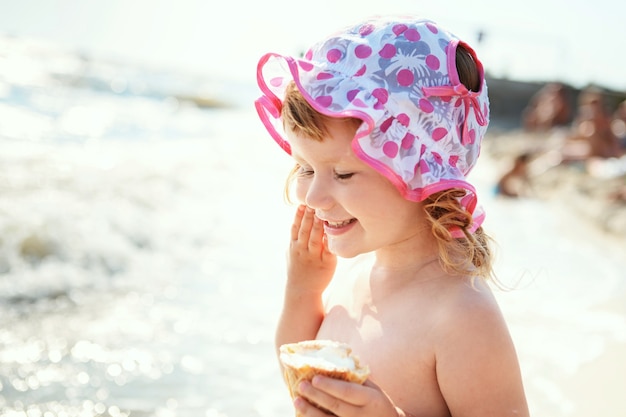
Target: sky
column 575, row 41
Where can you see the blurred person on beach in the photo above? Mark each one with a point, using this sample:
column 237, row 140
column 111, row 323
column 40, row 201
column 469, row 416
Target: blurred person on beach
column 515, row 182
column 592, row 135
column 384, row 121
column 618, row 124
column 548, row 108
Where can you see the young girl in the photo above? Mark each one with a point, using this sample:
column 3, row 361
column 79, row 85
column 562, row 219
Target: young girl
column 384, row 121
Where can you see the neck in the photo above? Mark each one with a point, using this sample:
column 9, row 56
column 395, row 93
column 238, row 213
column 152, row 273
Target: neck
column 410, row 254
column 409, row 264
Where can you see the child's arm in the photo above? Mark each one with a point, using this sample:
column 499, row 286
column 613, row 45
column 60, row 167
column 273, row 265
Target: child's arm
column 310, row 268
column 477, row 366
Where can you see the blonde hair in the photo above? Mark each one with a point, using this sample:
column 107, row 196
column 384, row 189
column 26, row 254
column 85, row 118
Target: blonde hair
column 469, row 255
column 301, row 118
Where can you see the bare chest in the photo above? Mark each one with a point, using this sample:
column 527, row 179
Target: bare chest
column 393, row 339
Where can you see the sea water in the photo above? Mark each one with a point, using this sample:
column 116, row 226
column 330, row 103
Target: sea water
column 142, row 247
column 141, row 257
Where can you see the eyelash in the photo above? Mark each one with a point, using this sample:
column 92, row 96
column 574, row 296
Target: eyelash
column 343, row 177
column 303, row 172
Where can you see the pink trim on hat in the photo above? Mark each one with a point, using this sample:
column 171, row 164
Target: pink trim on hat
column 388, row 73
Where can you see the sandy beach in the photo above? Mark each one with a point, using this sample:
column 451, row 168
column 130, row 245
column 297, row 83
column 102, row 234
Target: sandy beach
column 588, row 188
column 571, row 341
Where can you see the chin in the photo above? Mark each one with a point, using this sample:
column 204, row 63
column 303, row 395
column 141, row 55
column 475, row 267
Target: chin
column 342, row 251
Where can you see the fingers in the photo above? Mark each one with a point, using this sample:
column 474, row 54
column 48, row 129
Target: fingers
column 306, row 226
column 310, row 265
column 297, row 221
column 303, row 224
column 308, row 230
column 349, row 392
column 305, row 408
column 316, row 237
column 338, row 397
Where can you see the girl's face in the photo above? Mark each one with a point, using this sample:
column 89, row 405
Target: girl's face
column 362, row 211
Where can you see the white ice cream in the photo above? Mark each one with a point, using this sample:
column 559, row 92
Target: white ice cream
column 332, row 356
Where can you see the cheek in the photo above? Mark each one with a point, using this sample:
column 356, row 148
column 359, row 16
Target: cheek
column 301, row 188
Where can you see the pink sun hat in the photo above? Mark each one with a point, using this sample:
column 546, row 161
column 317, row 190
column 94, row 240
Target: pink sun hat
column 422, row 128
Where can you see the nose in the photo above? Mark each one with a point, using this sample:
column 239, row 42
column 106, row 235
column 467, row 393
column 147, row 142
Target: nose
column 318, row 194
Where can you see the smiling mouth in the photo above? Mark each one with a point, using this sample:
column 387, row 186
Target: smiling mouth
column 339, row 225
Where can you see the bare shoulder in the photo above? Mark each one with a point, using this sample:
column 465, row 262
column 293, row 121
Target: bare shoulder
column 476, row 363
column 470, row 304
column 470, row 318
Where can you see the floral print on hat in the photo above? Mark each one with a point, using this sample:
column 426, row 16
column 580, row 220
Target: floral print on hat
column 422, row 128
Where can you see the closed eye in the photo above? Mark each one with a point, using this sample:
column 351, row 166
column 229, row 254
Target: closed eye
column 304, row 171
column 346, row 176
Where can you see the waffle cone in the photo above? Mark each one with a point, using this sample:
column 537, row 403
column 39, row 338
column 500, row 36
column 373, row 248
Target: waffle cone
column 296, row 371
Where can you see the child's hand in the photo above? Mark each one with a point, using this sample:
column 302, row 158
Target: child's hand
column 310, row 265
column 343, row 399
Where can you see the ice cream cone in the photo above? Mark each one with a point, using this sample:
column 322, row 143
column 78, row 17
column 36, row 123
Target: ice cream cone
column 302, row 361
